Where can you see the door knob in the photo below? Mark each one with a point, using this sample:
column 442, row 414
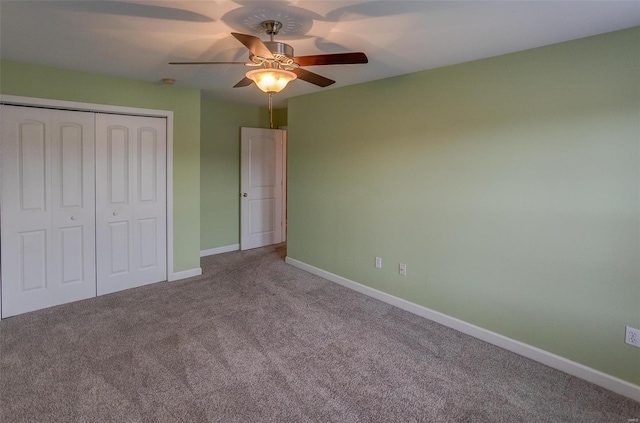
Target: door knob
column 73, row 218
column 245, row 194
column 115, row 213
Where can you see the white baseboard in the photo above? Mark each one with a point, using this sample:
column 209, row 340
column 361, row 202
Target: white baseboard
column 220, row 250
column 555, row 361
column 176, row 276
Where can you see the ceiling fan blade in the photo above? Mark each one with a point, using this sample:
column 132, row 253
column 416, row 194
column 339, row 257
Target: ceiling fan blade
column 243, row 82
column 254, row 44
column 207, row 63
column 313, row 78
column 332, row 59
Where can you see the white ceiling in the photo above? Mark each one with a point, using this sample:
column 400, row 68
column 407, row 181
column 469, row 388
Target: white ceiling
column 136, row 39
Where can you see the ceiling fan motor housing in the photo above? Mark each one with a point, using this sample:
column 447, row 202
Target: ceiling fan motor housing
column 276, row 48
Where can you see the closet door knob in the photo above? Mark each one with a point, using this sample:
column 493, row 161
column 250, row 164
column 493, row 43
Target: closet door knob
column 115, row 213
column 73, row 218
column 245, row 194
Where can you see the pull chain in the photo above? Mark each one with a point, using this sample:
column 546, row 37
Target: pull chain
column 271, row 110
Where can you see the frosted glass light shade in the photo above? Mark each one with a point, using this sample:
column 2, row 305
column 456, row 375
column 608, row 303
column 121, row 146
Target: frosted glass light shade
column 271, row 80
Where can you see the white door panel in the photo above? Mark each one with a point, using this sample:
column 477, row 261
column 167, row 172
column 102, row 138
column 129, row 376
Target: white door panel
column 148, row 236
column 72, row 247
column 117, row 164
column 32, row 261
column 261, row 184
column 47, row 208
column 117, row 249
column 33, row 162
column 131, row 200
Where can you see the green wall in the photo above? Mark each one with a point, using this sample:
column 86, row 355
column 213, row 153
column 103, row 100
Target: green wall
column 220, row 169
column 46, row 82
column 509, row 186
column 280, row 117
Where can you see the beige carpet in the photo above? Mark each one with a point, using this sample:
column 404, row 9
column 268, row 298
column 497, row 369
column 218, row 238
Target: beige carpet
column 256, row 340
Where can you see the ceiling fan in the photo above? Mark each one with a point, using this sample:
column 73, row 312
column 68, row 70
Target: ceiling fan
column 276, row 64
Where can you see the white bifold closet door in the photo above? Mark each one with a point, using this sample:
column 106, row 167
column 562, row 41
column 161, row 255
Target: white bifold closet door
column 130, row 201
column 83, row 208
column 48, row 208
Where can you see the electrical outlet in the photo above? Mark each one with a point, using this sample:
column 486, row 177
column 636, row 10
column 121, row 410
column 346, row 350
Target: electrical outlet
column 632, row 336
column 379, row 262
column 402, row 269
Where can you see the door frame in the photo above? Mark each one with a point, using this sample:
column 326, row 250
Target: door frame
column 285, row 168
column 14, row 100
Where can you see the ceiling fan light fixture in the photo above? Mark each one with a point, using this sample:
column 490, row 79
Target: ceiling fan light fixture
column 271, row 81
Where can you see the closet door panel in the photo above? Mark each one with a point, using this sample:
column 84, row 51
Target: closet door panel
column 73, row 203
column 47, row 244
column 131, row 200
column 26, row 210
column 114, row 203
column 150, row 201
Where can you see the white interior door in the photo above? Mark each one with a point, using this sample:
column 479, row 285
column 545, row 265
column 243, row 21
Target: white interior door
column 48, row 208
column 261, row 209
column 131, row 201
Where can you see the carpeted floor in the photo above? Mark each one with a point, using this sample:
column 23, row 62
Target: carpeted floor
column 256, row 340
